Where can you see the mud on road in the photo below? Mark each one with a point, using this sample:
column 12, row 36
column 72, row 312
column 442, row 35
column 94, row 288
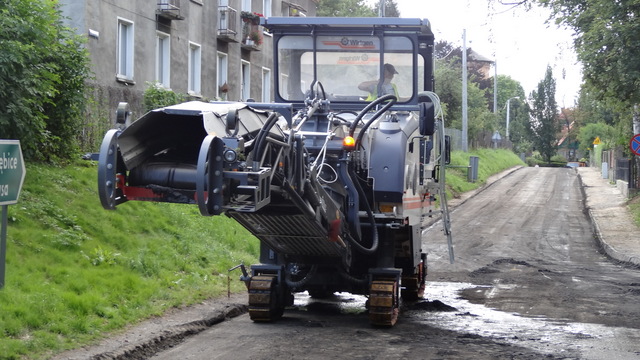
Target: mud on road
column 529, row 282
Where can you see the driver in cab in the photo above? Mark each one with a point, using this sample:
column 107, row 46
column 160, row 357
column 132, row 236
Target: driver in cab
column 387, row 86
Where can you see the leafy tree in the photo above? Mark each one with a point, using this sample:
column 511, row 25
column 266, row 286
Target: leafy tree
column 544, row 116
column 519, row 131
column 390, row 8
column 606, row 34
column 588, row 134
column 43, row 69
column 345, row 8
column 448, row 78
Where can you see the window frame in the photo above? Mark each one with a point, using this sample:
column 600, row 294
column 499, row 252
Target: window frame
column 222, row 70
column 163, row 59
column 125, row 54
column 245, row 80
column 266, row 84
column 194, row 85
column 266, row 8
column 245, row 5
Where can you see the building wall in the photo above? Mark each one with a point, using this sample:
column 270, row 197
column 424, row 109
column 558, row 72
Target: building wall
column 98, row 20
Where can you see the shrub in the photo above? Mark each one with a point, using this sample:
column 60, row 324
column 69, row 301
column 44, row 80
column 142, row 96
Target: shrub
column 43, row 68
column 156, row 96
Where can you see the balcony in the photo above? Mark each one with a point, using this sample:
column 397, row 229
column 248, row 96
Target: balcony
column 251, row 33
column 169, row 9
column 251, row 38
column 227, row 24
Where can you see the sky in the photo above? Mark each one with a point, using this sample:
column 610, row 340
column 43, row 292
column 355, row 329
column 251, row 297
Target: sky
column 520, row 41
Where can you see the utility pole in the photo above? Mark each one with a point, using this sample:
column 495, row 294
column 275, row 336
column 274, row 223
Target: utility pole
column 381, row 12
column 465, row 140
column 495, row 88
column 508, row 108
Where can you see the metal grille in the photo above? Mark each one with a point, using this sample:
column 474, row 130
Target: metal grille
column 288, row 234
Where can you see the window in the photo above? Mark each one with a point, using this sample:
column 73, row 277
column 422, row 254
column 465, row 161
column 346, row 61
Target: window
column 266, row 8
column 246, row 5
column 163, row 55
column 124, row 51
column 246, row 80
column 223, row 75
column 195, row 54
column 266, row 85
column 349, row 68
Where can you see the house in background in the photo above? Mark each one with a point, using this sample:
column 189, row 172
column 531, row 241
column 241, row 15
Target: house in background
column 480, row 64
column 207, row 49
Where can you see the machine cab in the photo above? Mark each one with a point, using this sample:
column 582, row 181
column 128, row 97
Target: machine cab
column 348, row 61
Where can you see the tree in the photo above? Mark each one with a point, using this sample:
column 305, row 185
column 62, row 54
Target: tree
column 43, row 68
column 448, row 78
column 390, row 8
column 345, row 8
column 519, row 130
column 606, row 34
column 544, row 116
column 590, row 132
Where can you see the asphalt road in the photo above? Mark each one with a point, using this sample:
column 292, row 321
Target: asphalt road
column 529, row 282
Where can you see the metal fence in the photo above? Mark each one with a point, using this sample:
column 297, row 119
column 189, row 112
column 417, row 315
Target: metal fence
column 615, row 166
column 483, row 140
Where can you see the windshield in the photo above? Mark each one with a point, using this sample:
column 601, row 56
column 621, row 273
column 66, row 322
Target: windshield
column 350, row 68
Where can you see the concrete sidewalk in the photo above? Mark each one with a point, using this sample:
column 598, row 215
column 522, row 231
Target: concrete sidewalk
column 615, row 229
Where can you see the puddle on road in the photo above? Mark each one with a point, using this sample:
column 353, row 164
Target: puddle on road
column 547, row 336
column 339, row 303
column 444, row 308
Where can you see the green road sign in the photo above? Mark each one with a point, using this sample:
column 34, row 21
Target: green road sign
column 12, row 171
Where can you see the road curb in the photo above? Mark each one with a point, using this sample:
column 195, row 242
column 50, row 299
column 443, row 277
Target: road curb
column 607, row 249
column 171, row 336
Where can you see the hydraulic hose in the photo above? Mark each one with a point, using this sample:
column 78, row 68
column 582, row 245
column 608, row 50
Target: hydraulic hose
column 373, row 118
column 297, row 284
column 260, row 139
column 366, row 109
column 372, row 221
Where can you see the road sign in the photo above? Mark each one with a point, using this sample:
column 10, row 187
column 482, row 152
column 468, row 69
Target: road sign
column 12, row 171
column 634, row 144
column 596, row 141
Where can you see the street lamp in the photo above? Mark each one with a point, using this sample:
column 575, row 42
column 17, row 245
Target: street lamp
column 515, row 97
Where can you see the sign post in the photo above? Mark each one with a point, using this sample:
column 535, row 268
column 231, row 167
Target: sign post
column 12, row 172
column 634, row 144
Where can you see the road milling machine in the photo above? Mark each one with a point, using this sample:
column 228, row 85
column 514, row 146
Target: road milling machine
column 335, row 179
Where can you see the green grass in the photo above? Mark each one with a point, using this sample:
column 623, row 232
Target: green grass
column 75, row 271
column 490, row 162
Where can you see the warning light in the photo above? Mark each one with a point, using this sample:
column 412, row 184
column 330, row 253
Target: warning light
column 349, row 143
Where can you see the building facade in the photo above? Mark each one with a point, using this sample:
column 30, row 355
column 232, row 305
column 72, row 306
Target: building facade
column 210, row 50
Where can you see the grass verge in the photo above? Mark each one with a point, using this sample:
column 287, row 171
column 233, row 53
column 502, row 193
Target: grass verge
column 75, row 271
column 490, row 162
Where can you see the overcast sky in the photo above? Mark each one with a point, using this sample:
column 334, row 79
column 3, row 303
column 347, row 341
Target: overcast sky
column 521, row 42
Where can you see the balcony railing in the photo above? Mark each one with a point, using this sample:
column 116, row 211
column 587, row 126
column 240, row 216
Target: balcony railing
column 227, row 23
column 169, row 9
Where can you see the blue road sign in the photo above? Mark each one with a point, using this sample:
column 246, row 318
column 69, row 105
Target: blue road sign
column 634, row 144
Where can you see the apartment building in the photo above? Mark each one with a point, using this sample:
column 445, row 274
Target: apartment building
column 207, row 49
